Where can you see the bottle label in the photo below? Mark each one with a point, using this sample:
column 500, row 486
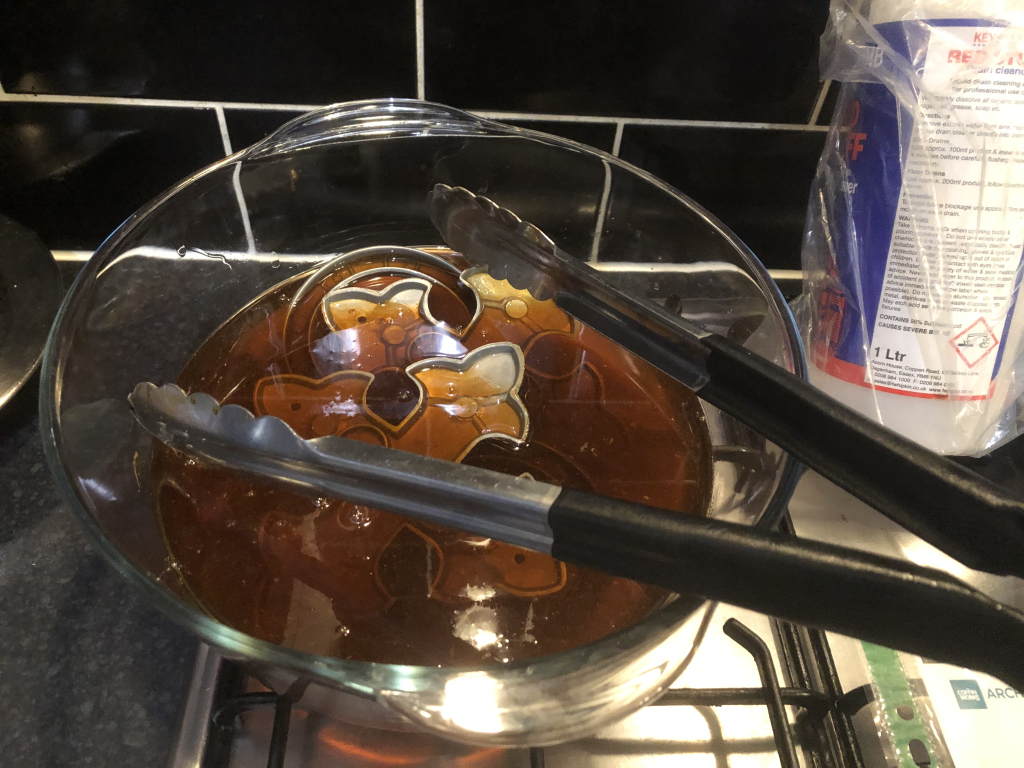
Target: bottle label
column 937, row 308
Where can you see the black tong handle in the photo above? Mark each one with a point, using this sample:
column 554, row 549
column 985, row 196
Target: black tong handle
column 947, row 505
column 885, row 601
column 944, row 503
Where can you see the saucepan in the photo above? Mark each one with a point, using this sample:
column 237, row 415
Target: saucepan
column 343, row 180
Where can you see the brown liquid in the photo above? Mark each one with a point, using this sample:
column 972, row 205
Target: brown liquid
column 333, row 578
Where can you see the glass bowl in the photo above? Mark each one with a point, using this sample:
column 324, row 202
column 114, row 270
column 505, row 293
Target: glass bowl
column 349, row 177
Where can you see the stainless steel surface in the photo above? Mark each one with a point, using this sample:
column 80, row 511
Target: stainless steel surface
column 195, row 716
column 823, row 512
column 671, row 735
column 30, row 293
column 318, row 742
column 487, row 503
column 684, row 736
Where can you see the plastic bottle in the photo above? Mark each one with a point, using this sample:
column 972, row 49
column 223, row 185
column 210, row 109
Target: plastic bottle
column 915, row 238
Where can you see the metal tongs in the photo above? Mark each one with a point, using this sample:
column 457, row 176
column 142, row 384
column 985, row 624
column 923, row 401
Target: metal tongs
column 884, row 600
column 947, row 505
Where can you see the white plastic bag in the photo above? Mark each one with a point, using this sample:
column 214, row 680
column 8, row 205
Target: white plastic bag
column 915, row 227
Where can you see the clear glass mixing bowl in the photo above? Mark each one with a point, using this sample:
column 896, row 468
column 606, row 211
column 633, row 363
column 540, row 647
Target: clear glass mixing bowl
column 343, row 178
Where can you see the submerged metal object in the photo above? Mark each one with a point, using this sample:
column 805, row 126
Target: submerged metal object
column 487, row 503
column 412, row 293
column 515, row 250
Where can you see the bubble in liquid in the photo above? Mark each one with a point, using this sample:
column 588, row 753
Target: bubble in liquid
column 360, row 516
column 477, row 626
column 275, row 263
column 182, row 251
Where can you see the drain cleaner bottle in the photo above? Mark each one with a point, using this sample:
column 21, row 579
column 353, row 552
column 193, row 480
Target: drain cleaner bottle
column 916, row 221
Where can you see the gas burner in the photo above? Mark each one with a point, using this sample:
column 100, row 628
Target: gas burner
column 231, row 721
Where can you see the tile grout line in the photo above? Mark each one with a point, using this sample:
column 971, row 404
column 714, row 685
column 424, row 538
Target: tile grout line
column 786, row 274
column 125, row 101
column 601, row 212
column 224, row 135
column 243, row 209
column 617, row 142
column 816, row 112
column 654, row 121
column 421, row 72
column 273, row 107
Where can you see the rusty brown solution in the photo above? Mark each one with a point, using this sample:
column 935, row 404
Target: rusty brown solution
column 450, row 363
